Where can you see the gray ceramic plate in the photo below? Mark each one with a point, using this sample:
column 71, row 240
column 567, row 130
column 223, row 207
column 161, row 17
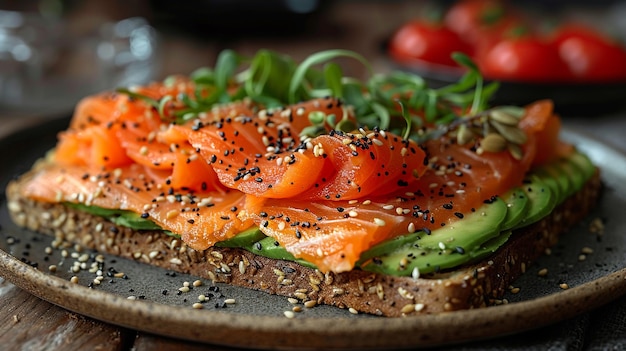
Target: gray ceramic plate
column 257, row 319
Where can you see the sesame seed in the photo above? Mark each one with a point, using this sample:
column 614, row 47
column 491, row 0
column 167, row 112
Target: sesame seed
column 408, row 308
column 564, row 286
column 74, row 280
column 289, row 314
column 415, row 274
column 353, row 213
column 353, row 311
column 310, row 304
column 197, row 306
column 197, row 283
column 229, row 301
column 379, row 222
column 542, row 272
column 411, row 227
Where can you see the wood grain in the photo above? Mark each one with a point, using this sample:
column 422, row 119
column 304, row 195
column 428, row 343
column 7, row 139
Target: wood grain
column 29, row 323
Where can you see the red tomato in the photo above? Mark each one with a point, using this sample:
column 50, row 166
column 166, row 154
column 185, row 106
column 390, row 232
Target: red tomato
column 426, row 41
column 526, row 58
column 589, row 55
column 475, row 19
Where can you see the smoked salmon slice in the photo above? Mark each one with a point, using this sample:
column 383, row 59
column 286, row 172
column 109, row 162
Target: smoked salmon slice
column 325, row 194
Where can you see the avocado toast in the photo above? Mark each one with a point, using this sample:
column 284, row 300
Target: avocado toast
column 388, row 198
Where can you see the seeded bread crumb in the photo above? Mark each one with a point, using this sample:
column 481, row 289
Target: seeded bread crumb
column 472, row 286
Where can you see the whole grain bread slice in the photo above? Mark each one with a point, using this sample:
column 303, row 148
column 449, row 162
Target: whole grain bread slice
column 472, row 286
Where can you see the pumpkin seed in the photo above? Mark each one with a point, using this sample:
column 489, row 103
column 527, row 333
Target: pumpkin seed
column 514, row 111
column 515, row 151
column 464, row 135
column 493, row 142
column 510, row 133
column 503, row 117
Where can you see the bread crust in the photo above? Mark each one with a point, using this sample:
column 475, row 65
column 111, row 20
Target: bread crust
column 471, row 286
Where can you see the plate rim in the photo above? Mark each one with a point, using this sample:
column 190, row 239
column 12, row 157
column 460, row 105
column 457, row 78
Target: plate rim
column 309, row 332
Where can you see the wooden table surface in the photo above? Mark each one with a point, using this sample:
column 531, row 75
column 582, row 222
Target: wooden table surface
column 26, row 322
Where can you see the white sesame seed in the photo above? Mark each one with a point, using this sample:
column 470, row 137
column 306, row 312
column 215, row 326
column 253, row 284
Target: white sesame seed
column 379, row 222
column 171, row 214
column 353, row 311
column 289, row 314
column 411, row 227
column 388, row 207
column 197, row 306
column 229, row 301
column 415, row 274
column 353, row 213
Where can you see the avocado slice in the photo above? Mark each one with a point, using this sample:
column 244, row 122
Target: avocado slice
column 474, row 229
column 516, row 202
column 119, row 217
column 542, row 200
column 245, row 239
column 443, row 248
column 562, row 180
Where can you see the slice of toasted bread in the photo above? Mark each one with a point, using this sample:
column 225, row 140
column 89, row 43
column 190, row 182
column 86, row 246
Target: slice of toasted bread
column 466, row 287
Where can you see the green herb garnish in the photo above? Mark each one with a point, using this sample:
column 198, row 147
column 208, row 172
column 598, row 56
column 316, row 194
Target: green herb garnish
column 400, row 102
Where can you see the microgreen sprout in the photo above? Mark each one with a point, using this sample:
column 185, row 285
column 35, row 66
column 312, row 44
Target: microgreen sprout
column 400, row 102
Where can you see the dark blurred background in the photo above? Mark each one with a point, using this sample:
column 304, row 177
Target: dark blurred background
column 52, row 52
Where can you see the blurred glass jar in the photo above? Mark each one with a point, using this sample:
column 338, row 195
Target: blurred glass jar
column 46, row 69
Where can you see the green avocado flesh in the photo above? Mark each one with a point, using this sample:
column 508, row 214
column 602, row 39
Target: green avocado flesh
column 472, row 238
